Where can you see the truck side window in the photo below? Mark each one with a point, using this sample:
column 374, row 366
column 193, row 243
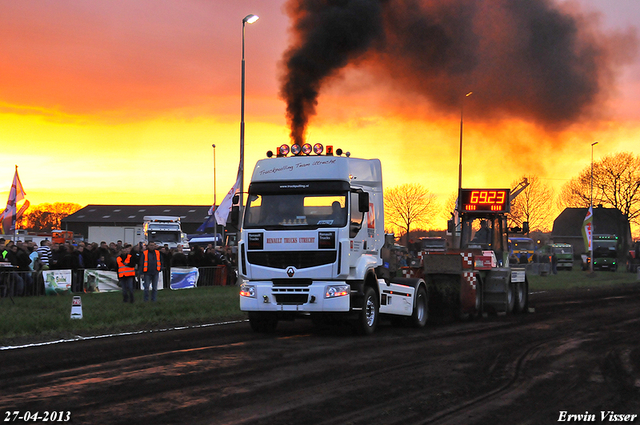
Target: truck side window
column 356, row 216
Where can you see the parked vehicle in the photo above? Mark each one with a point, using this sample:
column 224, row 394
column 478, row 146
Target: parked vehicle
column 563, row 253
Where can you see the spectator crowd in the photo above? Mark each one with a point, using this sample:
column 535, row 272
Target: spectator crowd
column 28, row 257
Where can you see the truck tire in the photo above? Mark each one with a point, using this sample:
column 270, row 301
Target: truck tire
column 262, row 322
column 521, row 297
column 511, row 298
column 421, row 310
column 479, row 301
column 368, row 318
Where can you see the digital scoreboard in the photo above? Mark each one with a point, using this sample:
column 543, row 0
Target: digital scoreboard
column 484, row 200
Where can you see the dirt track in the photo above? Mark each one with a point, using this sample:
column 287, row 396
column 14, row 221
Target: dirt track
column 579, row 352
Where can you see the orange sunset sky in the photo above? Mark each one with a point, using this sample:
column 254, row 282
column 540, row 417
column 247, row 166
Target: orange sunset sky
column 119, row 102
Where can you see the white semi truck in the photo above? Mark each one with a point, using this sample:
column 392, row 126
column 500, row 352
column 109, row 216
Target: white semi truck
column 312, row 244
column 164, row 230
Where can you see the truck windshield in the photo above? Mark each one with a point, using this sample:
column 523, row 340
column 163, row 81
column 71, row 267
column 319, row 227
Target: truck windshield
column 165, row 237
column 522, row 245
column 605, row 249
column 563, row 250
column 270, row 211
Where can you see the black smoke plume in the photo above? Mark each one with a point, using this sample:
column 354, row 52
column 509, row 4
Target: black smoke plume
column 527, row 59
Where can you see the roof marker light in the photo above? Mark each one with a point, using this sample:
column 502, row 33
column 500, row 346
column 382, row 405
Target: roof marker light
column 296, row 149
column 269, row 154
column 339, row 152
column 329, row 151
column 318, row 148
column 306, row 148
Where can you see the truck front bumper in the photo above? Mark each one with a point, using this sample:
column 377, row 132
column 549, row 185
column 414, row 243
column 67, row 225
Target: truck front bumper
column 319, row 297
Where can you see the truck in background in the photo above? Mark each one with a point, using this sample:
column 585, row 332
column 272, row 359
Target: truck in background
column 433, row 244
column 563, row 253
column 521, row 249
column 164, row 230
column 312, row 243
column 633, row 257
column 605, row 253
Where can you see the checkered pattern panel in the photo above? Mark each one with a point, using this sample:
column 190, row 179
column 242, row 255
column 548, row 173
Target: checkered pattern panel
column 470, row 278
column 467, row 259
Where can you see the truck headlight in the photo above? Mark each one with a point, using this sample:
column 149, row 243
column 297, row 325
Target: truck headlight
column 334, row 291
column 248, row 291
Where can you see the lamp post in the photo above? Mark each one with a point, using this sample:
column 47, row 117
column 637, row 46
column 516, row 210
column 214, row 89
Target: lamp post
column 457, row 228
column 247, row 19
column 215, row 228
column 214, row 175
column 593, row 228
column 460, row 159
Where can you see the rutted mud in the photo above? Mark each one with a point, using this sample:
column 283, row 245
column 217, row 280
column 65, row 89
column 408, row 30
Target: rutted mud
column 579, row 352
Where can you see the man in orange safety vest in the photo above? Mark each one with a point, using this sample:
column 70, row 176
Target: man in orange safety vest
column 150, row 267
column 126, row 273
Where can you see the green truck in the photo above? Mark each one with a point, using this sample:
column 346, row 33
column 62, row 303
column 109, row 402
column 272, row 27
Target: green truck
column 563, row 253
column 605, row 253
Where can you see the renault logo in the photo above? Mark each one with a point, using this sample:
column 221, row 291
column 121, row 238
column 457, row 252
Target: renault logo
column 290, row 271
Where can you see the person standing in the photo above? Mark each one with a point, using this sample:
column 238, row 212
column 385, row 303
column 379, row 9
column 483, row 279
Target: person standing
column 126, row 273
column 151, row 265
column 44, row 252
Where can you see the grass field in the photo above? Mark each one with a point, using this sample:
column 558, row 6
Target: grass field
column 49, row 317
column 580, row 279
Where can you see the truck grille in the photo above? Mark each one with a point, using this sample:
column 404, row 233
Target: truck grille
column 297, row 259
column 291, row 296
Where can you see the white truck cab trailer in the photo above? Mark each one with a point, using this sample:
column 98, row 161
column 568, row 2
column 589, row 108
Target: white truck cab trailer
column 164, row 230
column 312, row 241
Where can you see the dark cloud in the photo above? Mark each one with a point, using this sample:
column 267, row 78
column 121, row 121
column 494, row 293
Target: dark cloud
column 528, row 59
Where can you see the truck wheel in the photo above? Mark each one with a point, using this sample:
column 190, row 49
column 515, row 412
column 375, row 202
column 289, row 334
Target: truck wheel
column 262, row 323
column 521, row 297
column 368, row 319
column 421, row 311
column 479, row 300
column 511, row 298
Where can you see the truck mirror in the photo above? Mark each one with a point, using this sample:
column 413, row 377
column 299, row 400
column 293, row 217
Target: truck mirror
column 451, row 226
column 235, row 215
column 525, row 227
column 236, row 199
column 363, row 202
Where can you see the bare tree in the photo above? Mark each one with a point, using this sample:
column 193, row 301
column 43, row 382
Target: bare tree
column 409, row 205
column 534, row 205
column 449, row 208
column 46, row 217
column 616, row 184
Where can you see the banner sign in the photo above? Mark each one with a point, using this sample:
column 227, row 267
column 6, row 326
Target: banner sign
column 587, row 230
column 100, row 281
column 184, row 278
column 56, row 281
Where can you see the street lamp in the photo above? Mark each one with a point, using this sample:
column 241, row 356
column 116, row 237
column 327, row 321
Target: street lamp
column 592, row 145
column 214, row 175
column 215, row 228
column 457, row 228
column 247, row 19
column 593, row 228
column 460, row 160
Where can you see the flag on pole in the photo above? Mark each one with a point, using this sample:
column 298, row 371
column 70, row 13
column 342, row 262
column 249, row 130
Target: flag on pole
column 9, row 215
column 587, row 230
column 222, row 212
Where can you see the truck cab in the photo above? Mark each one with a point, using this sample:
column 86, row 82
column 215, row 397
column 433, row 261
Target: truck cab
column 521, row 250
column 164, row 230
column 311, row 241
column 605, row 253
